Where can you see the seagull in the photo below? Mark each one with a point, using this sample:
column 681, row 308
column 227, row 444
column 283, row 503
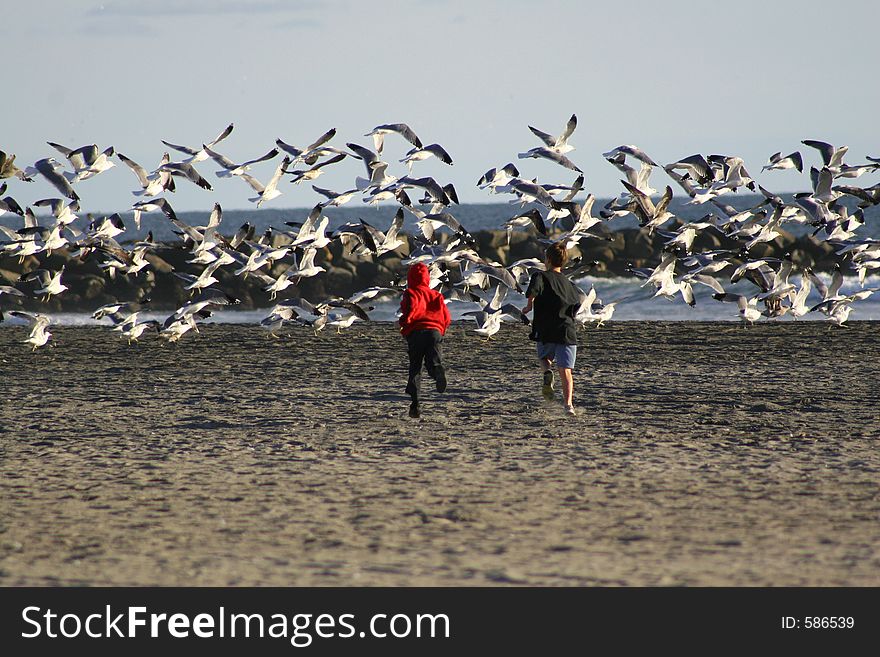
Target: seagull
column 558, row 144
column 531, row 192
column 117, row 258
column 593, row 310
column 230, row 168
column 87, row 161
column 49, row 282
column 9, row 291
column 423, row 153
column 341, row 321
column 200, row 155
column 683, row 237
column 380, row 183
column 8, row 168
column 46, row 168
column 638, row 179
column 22, row 247
column 311, row 153
column 261, row 256
column 275, row 285
column 830, row 291
column 629, row 149
column 790, row 161
column 9, row 204
column 314, row 171
column 53, row 239
column 376, row 170
column 207, row 297
column 305, row 268
column 865, row 265
column 489, row 317
column 433, row 189
column 831, row 157
column 173, row 329
column 39, row 324
column 602, row 312
column 374, row 293
column 838, row 308
column 316, row 237
column 663, row 279
column 748, row 266
column 582, row 214
column 159, row 204
column 734, row 177
column 312, row 231
column 63, row 212
column 550, row 154
column 497, row 272
column 302, row 310
column 369, row 158
column 650, row 216
column 188, row 171
column 494, row 178
column 270, row 190
column 154, row 183
column 277, row 318
column 132, row 329
column 205, row 279
column 380, row 243
column 428, row 223
column 120, row 311
column 748, row 310
column 769, row 231
column 855, row 171
column 349, row 305
column 12, row 291
column 844, row 226
column 799, row 307
column 378, row 133
column 109, row 226
column 488, row 324
column 529, row 219
column 335, row 198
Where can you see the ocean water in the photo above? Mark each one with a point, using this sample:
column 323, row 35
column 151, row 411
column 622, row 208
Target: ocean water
column 473, row 216
column 637, row 302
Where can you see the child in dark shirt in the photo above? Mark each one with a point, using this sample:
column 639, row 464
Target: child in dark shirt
column 556, row 300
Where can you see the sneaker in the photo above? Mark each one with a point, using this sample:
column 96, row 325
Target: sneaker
column 440, row 379
column 570, row 409
column 547, row 388
column 414, row 410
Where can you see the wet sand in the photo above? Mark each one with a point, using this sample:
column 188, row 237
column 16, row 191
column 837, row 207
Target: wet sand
column 702, row 455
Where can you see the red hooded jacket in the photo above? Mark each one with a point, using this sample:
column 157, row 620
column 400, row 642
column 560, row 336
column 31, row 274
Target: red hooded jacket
column 422, row 307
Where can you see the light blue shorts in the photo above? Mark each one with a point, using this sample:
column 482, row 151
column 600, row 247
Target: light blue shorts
column 564, row 355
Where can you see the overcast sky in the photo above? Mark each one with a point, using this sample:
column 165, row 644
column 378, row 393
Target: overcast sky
column 675, row 78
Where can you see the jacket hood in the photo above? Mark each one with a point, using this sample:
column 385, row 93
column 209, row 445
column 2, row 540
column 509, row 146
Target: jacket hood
column 418, row 276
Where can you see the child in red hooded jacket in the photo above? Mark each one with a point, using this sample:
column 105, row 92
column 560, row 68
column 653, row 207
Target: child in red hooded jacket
column 423, row 321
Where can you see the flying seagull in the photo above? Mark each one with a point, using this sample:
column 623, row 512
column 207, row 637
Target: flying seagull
column 199, row 155
column 558, row 144
column 378, row 133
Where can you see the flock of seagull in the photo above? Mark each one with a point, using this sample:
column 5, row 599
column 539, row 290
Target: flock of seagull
column 455, row 266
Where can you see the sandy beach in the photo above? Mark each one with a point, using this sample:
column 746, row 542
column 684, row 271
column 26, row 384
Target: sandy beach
column 702, row 455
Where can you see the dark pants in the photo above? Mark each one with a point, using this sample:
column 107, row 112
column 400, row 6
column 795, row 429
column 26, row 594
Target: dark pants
column 425, row 346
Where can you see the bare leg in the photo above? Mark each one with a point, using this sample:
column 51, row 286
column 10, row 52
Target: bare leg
column 567, row 385
column 546, row 364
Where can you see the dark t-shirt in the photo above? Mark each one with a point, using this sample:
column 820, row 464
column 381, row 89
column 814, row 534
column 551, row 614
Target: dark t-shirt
column 556, row 303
